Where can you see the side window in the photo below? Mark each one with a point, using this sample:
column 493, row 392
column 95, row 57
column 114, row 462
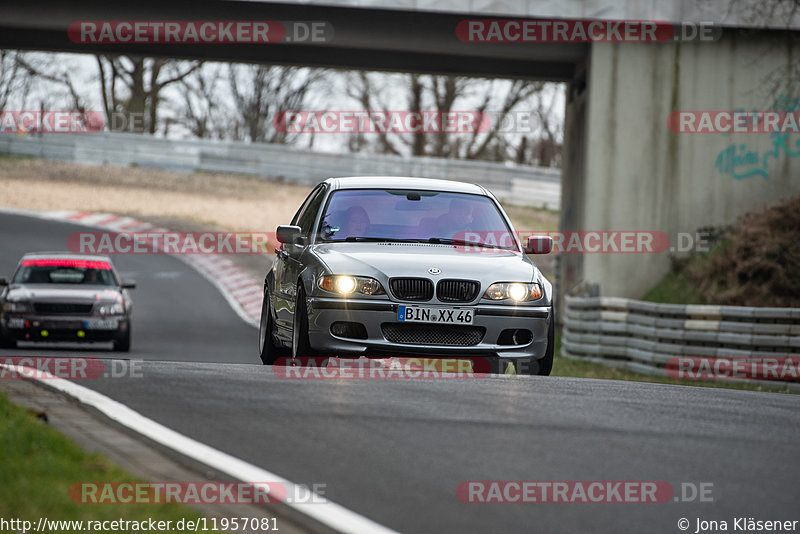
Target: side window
column 306, row 216
column 303, row 206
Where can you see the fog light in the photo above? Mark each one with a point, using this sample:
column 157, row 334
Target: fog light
column 515, row 336
column 349, row 330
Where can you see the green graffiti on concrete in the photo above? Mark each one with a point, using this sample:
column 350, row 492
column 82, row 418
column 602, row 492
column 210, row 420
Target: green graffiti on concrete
column 741, row 162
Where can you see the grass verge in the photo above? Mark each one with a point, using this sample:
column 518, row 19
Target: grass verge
column 38, row 465
column 674, row 288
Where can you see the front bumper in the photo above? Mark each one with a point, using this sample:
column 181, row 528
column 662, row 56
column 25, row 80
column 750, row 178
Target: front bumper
column 62, row 328
column 491, row 320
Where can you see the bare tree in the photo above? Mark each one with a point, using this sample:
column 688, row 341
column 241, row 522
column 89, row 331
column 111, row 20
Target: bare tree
column 442, row 94
column 15, row 80
column 370, row 93
column 51, row 69
column 200, row 108
column 544, row 148
column 262, row 92
column 133, row 86
column 480, row 146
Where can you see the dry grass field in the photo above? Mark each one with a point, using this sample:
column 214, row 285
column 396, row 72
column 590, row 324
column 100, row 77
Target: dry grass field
column 232, row 202
column 181, row 201
column 228, row 201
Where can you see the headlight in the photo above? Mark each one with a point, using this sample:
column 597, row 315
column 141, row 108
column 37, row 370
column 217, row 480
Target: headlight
column 516, row 291
column 17, row 307
column 345, row 285
column 109, row 308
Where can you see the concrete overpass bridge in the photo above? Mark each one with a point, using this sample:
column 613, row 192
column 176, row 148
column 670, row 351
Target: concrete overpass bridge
column 624, row 168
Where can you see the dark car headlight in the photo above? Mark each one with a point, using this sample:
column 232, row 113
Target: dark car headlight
column 514, row 291
column 109, row 308
column 17, row 306
column 346, row 284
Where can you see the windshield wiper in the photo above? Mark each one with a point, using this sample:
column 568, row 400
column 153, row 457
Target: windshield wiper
column 463, row 243
column 381, row 239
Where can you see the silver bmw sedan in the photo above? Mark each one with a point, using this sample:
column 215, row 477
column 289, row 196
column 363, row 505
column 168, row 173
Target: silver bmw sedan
column 391, row 266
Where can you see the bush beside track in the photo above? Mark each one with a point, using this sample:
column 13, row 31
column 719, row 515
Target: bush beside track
column 755, row 262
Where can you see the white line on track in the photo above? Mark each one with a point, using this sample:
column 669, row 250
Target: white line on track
column 328, row 513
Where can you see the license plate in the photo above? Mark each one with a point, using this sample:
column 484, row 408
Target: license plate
column 101, row 324
column 16, row 322
column 424, row 314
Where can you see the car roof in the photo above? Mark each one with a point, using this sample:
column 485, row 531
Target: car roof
column 404, row 182
column 65, row 256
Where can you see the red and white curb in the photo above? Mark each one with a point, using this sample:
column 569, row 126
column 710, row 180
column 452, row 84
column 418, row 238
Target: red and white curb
column 238, row 288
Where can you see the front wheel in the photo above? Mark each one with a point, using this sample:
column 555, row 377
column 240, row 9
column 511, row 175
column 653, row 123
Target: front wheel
column 268, row 350
column 546, row 363
column 123, row 344
column 7, row 343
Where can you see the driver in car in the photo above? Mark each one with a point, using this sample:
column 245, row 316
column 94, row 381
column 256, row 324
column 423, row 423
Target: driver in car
column 356, row 222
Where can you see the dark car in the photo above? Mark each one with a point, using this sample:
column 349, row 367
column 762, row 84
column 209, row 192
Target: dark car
column 65, row 297
column 382, row 265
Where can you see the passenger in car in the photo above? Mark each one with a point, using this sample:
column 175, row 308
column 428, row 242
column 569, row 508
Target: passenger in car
column 457, row 218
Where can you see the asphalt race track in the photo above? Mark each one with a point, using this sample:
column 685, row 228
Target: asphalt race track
column 396, row 450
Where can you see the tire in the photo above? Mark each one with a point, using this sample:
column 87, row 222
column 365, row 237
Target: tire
column 123, row 344
column 300, row 345
column 6, row 343
column 268, row 350
column 546, row 363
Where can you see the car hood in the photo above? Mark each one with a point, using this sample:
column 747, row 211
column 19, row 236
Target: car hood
column 414, row 259
column 61, row 293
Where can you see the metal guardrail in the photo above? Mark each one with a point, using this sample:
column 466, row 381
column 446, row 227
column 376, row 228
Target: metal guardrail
column 646, row 337
column 514, row 184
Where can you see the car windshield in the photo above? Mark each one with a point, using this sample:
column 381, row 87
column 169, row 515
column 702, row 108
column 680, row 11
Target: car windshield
column 65, row 271
column 408, row 215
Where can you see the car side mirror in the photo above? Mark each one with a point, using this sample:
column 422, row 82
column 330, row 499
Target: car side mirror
column 539, row 244
column 128, row 284
column 3, row 282
column 288, row 234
